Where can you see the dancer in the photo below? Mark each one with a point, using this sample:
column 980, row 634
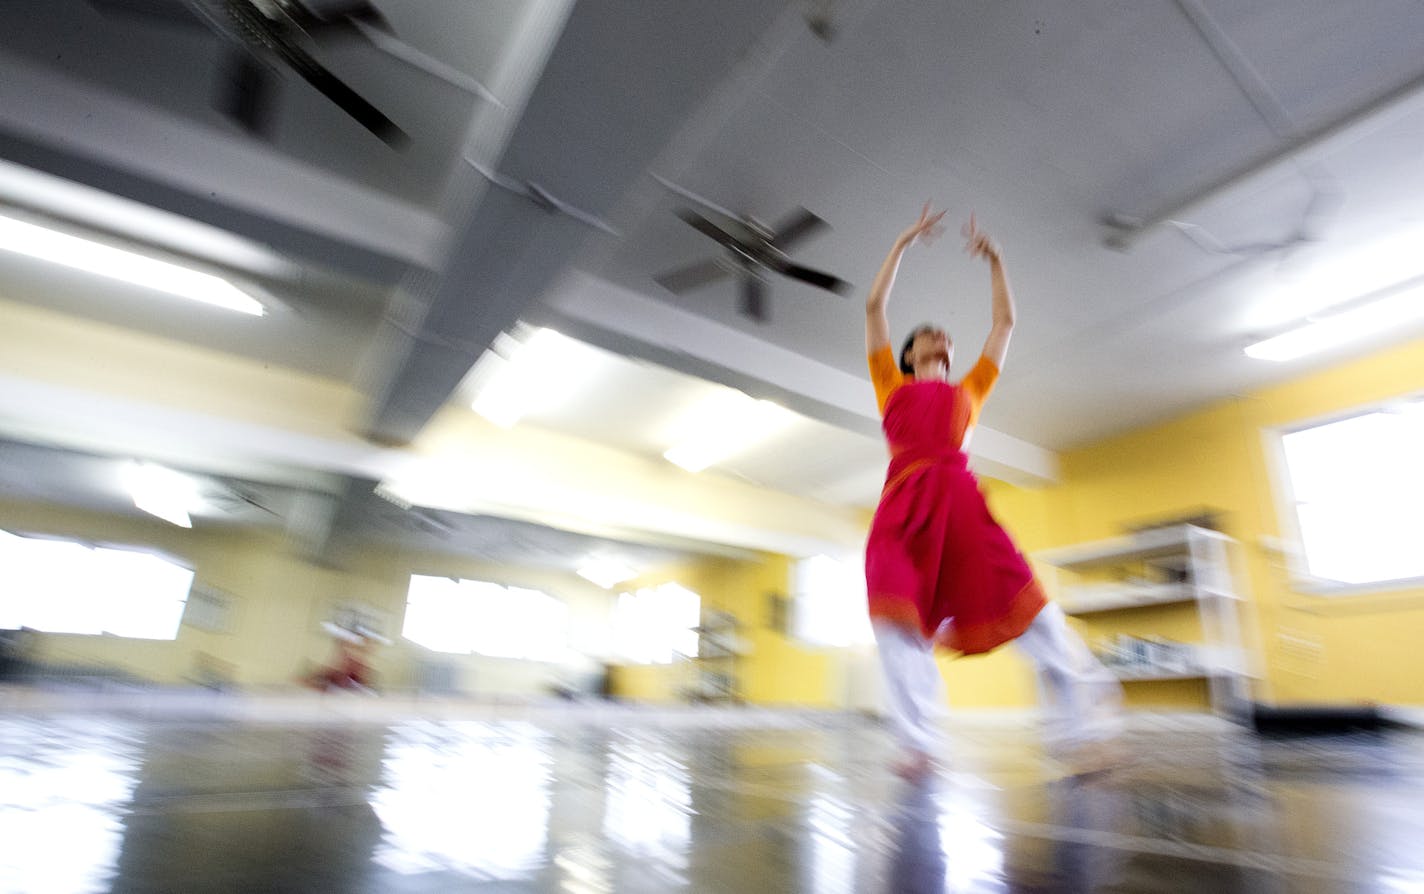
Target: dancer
column 351, row 668
column 939, row 569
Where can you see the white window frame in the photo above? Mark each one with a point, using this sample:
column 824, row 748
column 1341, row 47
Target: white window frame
column 117, row 547
column 558, row 652
column 1292, row 545
column 619, row 638
column 803, row 602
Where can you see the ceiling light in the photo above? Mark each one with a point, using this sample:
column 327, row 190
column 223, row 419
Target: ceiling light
column 162, row 492
column 121, row 264
column 1377, row 316
column 537, row 374
column 606, row 573
column 724, row 425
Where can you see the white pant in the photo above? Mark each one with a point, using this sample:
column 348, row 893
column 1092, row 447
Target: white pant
column 1081, row 698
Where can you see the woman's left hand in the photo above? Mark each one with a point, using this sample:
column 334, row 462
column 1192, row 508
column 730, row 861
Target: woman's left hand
column 977, row 243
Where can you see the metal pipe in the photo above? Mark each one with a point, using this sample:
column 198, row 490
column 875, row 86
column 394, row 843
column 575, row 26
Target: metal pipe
column 1257, row 91
column 1127, row 228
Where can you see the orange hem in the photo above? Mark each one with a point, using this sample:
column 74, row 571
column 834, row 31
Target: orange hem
column 985, row 637
column 897, row 610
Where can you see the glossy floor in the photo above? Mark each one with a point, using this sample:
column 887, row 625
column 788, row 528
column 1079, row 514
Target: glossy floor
column 90, row 803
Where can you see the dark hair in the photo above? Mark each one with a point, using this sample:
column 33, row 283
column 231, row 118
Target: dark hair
column 906, row 366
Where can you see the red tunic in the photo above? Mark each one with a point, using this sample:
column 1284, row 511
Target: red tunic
column 937, row 562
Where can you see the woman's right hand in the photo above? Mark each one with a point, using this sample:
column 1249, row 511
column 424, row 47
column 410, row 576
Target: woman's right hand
column 924, row 230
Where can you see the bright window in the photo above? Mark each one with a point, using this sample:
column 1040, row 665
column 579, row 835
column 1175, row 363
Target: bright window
column 657, row 625
column 1358, row 485
column 445, row 614
column 59, row 586
column 830, row 604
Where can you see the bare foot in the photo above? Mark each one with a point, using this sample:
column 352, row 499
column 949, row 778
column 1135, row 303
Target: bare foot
column 914, row 766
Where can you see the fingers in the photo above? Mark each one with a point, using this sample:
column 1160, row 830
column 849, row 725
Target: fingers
column 931, row 229
column 977, row 244
column 927, row 227
column 982, row 247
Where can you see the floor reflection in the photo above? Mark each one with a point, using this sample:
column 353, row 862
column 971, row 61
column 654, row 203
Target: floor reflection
column 1085, row 803
column 470, row 799
column 918, row 862
column 63, row 790
column 96, row 804
column 648, row 804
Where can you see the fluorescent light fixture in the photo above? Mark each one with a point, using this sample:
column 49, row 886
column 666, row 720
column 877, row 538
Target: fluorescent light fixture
column 540, row 372
column 23, row 187
column 121, row 264
column 724, row 425
column 162, row 492
column 1377, row 316
column 606, row 573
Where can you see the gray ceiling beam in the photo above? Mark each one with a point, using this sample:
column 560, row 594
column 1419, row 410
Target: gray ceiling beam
column 622, row 78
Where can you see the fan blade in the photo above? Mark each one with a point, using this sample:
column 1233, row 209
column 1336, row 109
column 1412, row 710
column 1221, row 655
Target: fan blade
column 711, row 230
column 796, row 228
column 754, row 296
column 348, row 100
column 695, row 199
column 260, row 33
column 246, row 93
column 815, row 278
column 693, row 276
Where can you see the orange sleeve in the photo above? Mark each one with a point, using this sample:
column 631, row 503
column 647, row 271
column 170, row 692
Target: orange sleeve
column 977, row 385
column 885, row 375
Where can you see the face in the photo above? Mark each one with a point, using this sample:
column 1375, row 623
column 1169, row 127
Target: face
column 931, row 344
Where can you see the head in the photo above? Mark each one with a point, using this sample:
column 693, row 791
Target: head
column 925, row 349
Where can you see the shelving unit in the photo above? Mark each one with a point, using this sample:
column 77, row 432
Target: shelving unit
column 1155, row 568
column 719, row 645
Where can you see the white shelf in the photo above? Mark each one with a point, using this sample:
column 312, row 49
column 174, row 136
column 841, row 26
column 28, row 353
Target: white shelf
column 1134, row 675
column 1120, row 550
column 1199, row 555
column 1108, row 599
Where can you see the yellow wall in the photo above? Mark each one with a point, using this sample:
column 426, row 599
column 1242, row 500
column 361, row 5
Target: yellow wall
column 1342, row 649
column 48, row 346
column 280, row 600
column 775, row 669
column 651, row 683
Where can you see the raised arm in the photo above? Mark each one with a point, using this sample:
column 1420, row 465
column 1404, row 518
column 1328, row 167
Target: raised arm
column 877, row 324
column 978, row 245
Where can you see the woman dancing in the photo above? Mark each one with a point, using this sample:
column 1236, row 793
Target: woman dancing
column 939, row 569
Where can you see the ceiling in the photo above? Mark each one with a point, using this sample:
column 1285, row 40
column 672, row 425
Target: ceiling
column 646, row 409
column 76, row 479
column 176, row 65
column 1043, row 118
column 30, row 472
column 1270, row 151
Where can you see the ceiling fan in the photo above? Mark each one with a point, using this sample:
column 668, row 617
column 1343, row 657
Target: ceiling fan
column 266, row 36
column 754, row 251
